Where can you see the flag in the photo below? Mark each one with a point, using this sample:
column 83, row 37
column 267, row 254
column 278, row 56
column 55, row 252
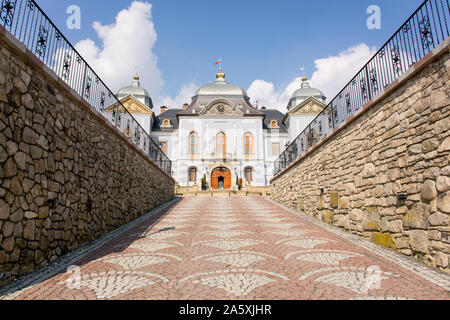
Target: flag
column 218, row 62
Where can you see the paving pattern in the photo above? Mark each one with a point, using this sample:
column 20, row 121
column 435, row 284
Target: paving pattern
column 236, row 249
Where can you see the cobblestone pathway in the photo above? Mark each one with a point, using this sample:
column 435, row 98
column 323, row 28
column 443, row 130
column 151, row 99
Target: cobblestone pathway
column 238, row 248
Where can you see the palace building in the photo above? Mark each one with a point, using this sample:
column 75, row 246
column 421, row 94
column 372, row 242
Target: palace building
column 220, row 135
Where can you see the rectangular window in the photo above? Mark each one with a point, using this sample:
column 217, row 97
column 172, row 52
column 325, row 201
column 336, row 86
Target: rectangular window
column 221, row 144
column 193, row 143
column 248, row 144
column 249, row 174
column 164, row 146
column 192, row 175
column 276, row 149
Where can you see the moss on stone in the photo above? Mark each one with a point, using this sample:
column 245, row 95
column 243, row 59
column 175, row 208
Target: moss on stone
column 334, row 199
column 384, row 239
column 328, row 217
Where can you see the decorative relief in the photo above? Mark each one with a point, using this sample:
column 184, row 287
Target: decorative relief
column 222, row 109
column 132, row 105
column 308, row 108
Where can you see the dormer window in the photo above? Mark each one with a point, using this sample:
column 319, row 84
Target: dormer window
column 166, row 123
column 274, row 124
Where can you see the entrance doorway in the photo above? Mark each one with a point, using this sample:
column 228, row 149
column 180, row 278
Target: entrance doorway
column 221, row 179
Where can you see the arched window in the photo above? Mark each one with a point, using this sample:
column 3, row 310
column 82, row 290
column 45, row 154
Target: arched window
column 248, row 174
column 248, row 144
column 221, row 143
column 193, row 143
column 192, row 174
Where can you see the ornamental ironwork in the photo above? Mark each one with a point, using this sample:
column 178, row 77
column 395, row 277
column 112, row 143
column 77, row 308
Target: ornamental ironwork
column 25, row 20
column 363, row 89
column 421, row 33
column 30, row 5
column 348, row 104
column 396, row 61
column 425, row 31
column 102, row 99
column 41, row 44
column 406, row 28
column 7, row 12
column 87, row 88
column 66, row 66
column 373, row 80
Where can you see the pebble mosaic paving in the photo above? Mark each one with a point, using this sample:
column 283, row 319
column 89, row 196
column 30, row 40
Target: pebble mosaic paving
column 233, row 249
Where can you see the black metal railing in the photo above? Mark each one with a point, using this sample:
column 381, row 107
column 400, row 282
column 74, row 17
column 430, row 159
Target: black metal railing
column 26, row 21
column 420, row 34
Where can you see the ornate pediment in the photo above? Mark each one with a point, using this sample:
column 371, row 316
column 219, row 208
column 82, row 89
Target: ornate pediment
column 222, row 108
column 132, row 105
column 310, row 106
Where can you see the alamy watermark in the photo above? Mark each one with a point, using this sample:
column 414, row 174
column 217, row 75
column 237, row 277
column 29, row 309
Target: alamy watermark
column 372, row 279
column 73, row 282
column 73, row 22
column 374, row 20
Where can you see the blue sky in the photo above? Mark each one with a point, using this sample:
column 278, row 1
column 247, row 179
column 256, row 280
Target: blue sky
column 266, row 40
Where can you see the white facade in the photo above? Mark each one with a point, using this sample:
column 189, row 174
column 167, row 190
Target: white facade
column 221, row 136
column 207, row 158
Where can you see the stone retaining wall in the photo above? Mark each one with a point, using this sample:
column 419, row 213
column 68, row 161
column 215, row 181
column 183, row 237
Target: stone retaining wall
column 66, row 175
column 399, row 144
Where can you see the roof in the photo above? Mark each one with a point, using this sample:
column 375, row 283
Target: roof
column 303, row 93
column 133, row 91
column 273, row 114
column 199, row 103
column 170, row 114
column 136, row 91
column 221, row 88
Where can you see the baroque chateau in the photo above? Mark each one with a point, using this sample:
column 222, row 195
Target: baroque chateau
column 220, row 136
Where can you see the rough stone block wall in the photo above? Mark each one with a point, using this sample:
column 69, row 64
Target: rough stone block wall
column 66, row 176
column 400, row 145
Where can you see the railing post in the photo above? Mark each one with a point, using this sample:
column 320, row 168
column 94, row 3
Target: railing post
column 368, row 83
column 83, row 86
column 116, row 120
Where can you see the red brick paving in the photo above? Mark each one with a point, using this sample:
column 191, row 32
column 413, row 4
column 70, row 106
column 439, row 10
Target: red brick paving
column 233, row 249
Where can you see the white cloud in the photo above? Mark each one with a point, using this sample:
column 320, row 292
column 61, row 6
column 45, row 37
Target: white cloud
column 264, row 92
column 334, row 72
column 126, row 48
column 184, row 96
column 331, row 75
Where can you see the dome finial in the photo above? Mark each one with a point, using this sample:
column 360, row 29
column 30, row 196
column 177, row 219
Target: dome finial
column 136, row 81
column 220, row 76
